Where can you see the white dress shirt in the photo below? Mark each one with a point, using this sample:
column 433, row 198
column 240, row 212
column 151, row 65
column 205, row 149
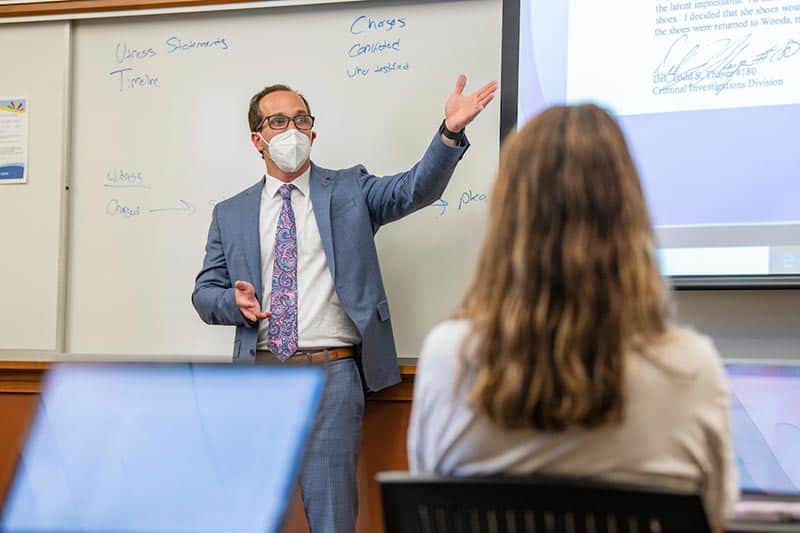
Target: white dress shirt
column 321, row 321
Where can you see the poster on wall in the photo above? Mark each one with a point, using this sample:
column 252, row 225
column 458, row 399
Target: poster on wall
column 13, row 140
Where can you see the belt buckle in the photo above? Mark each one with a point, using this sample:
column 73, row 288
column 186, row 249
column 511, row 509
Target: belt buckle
column 326, row 355
column 301, row 357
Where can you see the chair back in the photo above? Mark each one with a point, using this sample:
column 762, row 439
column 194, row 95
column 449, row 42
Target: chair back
column 429, row 504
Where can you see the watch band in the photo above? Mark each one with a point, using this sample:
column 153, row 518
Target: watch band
column 457, row 136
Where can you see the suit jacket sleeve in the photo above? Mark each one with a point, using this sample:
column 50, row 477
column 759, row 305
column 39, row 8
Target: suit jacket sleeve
column 393, row 197
column 213, row 295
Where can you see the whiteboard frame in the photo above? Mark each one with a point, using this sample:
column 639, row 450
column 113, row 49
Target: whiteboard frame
column 114, row 13
column 66, row 162
column 65, row 179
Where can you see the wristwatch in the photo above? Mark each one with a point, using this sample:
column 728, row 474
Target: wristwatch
column 457, row 136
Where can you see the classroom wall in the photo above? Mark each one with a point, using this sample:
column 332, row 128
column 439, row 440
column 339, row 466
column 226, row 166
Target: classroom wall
column 745, row 324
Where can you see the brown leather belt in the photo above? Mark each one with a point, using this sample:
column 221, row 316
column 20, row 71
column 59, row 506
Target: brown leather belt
column 310, row 357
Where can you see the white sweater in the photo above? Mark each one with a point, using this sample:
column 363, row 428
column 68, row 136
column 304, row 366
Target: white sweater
column 675, row 433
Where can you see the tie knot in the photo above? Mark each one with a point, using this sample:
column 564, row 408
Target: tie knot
column 286, row 191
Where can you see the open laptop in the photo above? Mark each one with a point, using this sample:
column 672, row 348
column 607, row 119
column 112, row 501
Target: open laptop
column 765, row 420
column 765, row 417
column 157, row 448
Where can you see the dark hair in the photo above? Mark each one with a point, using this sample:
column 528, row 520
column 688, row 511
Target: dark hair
column 254, row 117
column 568, row 284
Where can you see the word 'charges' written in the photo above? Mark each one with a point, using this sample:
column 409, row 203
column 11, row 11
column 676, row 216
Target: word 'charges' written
column 377, row 46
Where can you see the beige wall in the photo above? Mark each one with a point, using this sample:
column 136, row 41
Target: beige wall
column 745, row 324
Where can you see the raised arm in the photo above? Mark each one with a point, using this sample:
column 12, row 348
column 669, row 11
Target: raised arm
column 394, row 197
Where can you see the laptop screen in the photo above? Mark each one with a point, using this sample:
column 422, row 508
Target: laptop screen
column 765, row 417
column 164, row 448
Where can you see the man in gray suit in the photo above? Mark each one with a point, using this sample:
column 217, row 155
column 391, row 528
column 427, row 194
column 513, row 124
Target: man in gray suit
column 291, row 262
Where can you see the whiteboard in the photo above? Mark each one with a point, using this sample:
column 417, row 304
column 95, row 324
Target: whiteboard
column 159, row 135
column 31, row 255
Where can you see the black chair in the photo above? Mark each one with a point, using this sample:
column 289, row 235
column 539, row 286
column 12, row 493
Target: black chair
column 429, row 504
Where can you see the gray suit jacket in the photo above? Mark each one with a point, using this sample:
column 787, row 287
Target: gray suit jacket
column 349, row 205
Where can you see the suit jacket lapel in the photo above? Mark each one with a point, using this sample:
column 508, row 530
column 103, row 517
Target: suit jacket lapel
column 250, row 216
column 321, row 187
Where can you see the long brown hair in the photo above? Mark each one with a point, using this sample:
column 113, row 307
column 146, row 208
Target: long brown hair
column 567, row 282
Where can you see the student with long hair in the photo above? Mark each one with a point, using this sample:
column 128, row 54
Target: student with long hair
column 563, row 359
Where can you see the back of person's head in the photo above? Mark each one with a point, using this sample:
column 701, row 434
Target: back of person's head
column 567, row 282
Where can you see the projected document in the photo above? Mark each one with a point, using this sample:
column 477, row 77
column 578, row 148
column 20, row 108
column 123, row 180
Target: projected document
column 708, row 95
column 655, row 57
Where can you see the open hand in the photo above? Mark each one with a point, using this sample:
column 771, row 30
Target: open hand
column 461, row 108
column 245, row 296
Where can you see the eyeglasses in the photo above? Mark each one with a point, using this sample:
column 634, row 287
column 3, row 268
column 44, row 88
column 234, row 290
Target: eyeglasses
column 281, row 122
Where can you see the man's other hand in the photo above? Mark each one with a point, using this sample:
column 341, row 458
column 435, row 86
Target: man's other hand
column 247, row 303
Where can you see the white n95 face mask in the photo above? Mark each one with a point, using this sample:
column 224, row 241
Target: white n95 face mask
column 289, row 150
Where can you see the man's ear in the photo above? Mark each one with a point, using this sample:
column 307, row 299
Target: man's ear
column 313, row 136
column 257, row 143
